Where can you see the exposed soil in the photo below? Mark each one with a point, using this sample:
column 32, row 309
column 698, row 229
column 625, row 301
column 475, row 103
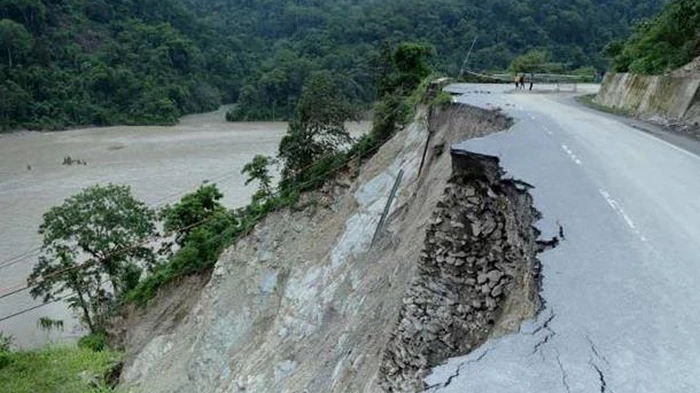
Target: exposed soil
column 305, row 303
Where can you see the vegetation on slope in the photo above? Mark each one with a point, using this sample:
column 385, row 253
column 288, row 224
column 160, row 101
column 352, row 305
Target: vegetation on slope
column 76, row 62
column 314, row 151
column 98, row 246
column 662, row 44
column 56, row 369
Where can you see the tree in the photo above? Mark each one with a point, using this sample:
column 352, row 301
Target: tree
column 192, row 211
column 532, row 61
column 318, row 128
column 14, row 39
column 108, row 225
column 258, row 171
column 660, row 45
column 411, row 66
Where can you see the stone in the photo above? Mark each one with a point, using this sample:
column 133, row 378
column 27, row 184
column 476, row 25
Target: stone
column 491, row 304
column 497, row 291
column 494, row 276
column 476, row 229
column 456, row 224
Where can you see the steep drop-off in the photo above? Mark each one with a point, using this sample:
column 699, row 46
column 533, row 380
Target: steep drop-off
column 307, row 303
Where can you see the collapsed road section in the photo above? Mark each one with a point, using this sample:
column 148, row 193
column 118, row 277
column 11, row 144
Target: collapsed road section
column 477, row 276
column 313, row 301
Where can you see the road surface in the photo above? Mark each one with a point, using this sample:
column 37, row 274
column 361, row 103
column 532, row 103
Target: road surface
column 622, row 292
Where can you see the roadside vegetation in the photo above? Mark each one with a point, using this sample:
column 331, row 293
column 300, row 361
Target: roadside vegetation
column 662, row 44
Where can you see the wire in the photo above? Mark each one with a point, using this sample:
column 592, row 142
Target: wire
column 90, row 262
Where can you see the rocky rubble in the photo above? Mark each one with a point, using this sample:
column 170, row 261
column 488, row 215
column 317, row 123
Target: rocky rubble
column 479, row 250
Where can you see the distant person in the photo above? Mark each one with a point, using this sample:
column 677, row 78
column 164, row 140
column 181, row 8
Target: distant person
column 532, row 80
column 517, row 82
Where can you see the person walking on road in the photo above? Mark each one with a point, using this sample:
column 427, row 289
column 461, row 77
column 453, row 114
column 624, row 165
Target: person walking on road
column 532, row 80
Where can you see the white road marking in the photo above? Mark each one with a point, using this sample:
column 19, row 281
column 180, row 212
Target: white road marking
column 619, row 210
column 571, row 154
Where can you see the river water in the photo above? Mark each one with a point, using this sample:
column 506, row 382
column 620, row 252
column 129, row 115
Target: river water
column 159, row 163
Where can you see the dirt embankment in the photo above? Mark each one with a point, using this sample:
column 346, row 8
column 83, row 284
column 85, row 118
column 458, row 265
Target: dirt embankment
column 307, row 303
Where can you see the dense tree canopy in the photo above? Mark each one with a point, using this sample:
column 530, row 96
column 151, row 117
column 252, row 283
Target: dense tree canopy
column 662, row 44
column 75, row 62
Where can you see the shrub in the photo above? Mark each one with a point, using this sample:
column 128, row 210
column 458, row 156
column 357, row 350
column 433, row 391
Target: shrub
column 96, row 342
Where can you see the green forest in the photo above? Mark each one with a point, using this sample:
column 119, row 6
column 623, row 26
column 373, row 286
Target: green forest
column 68, row 63
column 662, row 44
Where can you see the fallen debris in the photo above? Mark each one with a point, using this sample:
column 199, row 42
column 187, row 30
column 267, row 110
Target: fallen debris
column 479, row 251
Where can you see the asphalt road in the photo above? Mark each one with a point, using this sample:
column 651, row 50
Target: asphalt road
column 622, row 294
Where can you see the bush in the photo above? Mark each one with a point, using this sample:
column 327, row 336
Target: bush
column 96, row 342
column 57, row 369
column 5, row 344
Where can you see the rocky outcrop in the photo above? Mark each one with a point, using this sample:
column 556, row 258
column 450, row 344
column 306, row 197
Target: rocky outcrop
column 659, row 97
column 477, row 272
column 309, row 303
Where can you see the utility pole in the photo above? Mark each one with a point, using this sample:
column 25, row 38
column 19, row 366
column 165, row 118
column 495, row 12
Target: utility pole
column 466, row 59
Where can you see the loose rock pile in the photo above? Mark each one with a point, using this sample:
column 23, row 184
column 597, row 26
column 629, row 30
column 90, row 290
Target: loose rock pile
column 479, row 245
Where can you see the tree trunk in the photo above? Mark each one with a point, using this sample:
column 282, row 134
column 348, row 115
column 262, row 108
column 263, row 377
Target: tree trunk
column 9, row 55
column 86, row 312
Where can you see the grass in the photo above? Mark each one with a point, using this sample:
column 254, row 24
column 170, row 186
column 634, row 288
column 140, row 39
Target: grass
column 588, row 100
column 55, row 370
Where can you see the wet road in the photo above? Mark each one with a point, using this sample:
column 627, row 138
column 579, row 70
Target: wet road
column 621, row 292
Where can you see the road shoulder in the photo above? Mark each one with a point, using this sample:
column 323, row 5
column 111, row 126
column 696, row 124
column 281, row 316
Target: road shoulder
column 678, row 140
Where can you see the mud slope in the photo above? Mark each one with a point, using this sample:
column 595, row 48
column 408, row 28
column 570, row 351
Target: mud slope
column 305, row 304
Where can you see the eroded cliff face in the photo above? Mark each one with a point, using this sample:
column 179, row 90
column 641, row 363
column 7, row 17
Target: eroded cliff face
column 307, row 303
column 477, row 274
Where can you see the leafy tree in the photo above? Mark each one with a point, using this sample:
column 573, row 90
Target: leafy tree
column 14, row 39
column 192, row 211
column 660, row 45
column 533, row 61
column 108, row 225
column 258, row 171
column 318, row 127
column 411, row 66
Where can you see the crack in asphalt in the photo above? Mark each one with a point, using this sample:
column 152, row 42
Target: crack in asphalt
column 546, row 323
column 563, row 374
column 551, row 333
column 457, row 372
column 594, row 349
column 601, row 375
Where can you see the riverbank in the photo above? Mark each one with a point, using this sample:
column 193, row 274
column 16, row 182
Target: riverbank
column 159, row 163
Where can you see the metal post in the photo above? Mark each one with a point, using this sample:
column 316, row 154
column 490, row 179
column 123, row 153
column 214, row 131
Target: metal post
column 388, row 206
column 466, row 59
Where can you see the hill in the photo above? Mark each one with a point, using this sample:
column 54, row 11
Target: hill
column 662, row 44
column 77, row 62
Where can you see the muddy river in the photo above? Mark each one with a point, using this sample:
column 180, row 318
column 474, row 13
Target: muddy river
column 159, row 163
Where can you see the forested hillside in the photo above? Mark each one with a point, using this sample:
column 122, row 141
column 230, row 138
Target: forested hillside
column 661, row 44
column 77, row 62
